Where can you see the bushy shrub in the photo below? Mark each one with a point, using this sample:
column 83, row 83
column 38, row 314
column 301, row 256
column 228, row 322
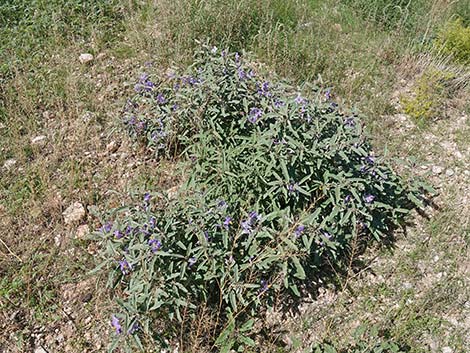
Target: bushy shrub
column 454, row 39
column 279, row 181
column 427, row 96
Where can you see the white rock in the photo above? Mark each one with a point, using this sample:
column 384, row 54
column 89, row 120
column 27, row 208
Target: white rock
column 82, row 231
column 46, row 114
column 74, row 213
column 437, row 170
column 112, row 147
column 407, row 285
column 57, row 240
column 9, row 163
column 40, row 350
column 447, row 350
column 85, row 58
column 449, row 172
column 39, row 140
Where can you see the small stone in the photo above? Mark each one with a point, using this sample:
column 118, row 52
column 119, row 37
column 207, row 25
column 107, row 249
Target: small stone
column 449, row 172
column 112, row 147
column 74, row 213
column 2, row 125
column 46, row 114
column 9, row 163
column 82, row 231
column 86, row 117
column 172, row 192
column 38, row 140
column 407, row 285
column 447, row 350
column 436, row 258
column 85, row 58
column 57, row 240
column 437, row 170
column 40, row 350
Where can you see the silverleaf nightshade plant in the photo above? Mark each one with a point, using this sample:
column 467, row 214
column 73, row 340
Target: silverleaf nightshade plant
column 280, row 180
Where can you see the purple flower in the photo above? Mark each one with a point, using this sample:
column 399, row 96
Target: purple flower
column 264, row 89
column 161, row 98
column 191, row 261
column 155, row 245
column 278, row 103
column 227, row 222
column 125, row 267
column 291, row 187
column 147, row 197
column 264, row 286
column 299, row 99
column 254, row 217
column 134, row 327
column 131, row 121
column 328, row 94
column 118, row 234
column 106, row 228
column 116, row 324
column 222, row 204
column 241, row 74
column 299, row 230
column 246, row 227
column 349, row 122
column 369, row 198
column 255, row 114
column 144, row 84
column 223, row 53
column 326, row 235
column 347, row 198
column 152, row 222
column 128, row 230
column 237, row 57
column 370, row 160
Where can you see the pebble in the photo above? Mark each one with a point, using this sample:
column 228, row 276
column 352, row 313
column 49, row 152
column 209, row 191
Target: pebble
column 437, row 169
column 85, row 58
column 74, row 213
column 447, row 350
column 40, row 350
column 449, row 172
column 407, row 285
column 57, row 240
column 82, row 231
column 9, row 163
column 112, row 147
column 39, row 140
